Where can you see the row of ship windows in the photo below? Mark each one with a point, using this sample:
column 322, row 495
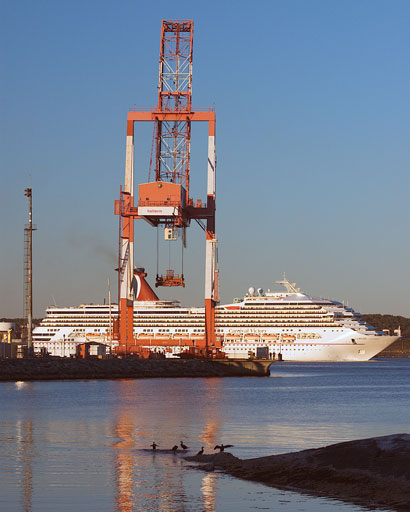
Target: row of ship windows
column 239, row 319
column 201, row 331
column 60, row 344
column 186, row 311
column 220, row 330
column 221, row 312
column 283, row 348
column 287, row 315
column 244, row 319
column 279, row 308
column 217, row 313
column 39, row 337
column 145, row 328
column 75, row 330
column 176, row 330
column 244, row 324
column 165, row 321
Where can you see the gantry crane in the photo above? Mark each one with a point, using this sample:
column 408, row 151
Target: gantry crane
column 166, row 200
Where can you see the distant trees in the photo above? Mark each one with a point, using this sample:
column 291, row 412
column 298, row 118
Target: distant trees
column 390, row 322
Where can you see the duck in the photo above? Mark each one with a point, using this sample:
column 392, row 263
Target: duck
column 183, row 446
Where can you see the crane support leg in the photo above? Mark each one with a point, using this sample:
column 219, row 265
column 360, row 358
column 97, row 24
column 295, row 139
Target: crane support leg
column 129, row 189
column 211, row 288
column 126, row 268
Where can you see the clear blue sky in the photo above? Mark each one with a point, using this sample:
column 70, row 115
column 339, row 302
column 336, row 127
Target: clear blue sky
column 313, row 129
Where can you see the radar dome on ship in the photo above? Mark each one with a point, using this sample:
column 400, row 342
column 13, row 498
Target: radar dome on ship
column 260, row 291
column 251, row 291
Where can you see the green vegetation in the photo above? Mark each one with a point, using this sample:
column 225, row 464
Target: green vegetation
column 390, row 322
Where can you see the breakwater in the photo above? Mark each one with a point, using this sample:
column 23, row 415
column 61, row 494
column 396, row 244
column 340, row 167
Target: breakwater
column 59, row 369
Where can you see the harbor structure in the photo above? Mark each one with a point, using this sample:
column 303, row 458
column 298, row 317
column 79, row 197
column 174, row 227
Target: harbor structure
column 166, row 200
column 290, row 325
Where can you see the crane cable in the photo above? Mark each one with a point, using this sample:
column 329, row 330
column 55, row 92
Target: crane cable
column 182, row 253
column 157, row 252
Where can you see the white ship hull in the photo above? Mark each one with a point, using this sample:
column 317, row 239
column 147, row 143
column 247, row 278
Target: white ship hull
column 365, row 349
column 347, row 346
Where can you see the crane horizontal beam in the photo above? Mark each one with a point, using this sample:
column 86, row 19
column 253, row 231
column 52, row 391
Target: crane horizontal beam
column 171, row 116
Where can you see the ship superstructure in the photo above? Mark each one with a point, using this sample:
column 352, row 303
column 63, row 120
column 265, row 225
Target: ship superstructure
column 290, row 324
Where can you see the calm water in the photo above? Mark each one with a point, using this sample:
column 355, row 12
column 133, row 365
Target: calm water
column 82, row 445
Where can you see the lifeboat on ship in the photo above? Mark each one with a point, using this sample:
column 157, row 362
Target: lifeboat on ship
column 252, row 337
column 233, row 337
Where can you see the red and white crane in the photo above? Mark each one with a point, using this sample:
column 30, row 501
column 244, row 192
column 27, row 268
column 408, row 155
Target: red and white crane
column 166, row 200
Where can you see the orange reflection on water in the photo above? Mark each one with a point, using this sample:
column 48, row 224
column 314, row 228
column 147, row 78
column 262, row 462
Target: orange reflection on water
column 155, row 479
column 210, row 433
column 124, row 463
column 208, row 489
column 124, row 466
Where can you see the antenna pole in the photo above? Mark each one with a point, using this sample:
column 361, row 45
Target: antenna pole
column 109, row 306
column 28, row 271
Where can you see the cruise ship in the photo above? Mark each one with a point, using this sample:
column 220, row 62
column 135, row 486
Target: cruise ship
column 288, row 324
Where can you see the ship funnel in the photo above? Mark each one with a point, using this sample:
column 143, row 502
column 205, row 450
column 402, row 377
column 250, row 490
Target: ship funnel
column 144, row 290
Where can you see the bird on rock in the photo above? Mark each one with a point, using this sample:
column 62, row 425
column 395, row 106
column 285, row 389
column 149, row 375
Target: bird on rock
column 183, row 446
column 201, row 451
column 221, row 447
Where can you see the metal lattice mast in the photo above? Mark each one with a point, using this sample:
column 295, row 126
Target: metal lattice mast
column 173, row 138
column 28, row 270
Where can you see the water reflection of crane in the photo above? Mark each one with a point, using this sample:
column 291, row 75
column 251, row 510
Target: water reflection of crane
column 155, row 480
column 208, row 489
column 142, row 476
column 210, row 412
column 124, row 464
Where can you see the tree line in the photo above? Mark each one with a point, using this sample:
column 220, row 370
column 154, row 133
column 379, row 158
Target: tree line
column 391, row 322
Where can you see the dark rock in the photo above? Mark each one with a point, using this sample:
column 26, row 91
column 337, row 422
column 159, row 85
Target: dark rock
column 372, row 472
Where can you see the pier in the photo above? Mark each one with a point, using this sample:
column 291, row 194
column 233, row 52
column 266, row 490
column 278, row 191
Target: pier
column 127, row 368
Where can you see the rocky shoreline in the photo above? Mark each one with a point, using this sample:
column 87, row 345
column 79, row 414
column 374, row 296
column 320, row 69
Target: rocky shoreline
column 61, row 369
column 371, row 472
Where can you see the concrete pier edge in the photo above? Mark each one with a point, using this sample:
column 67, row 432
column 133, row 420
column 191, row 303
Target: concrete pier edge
column 62, row 369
